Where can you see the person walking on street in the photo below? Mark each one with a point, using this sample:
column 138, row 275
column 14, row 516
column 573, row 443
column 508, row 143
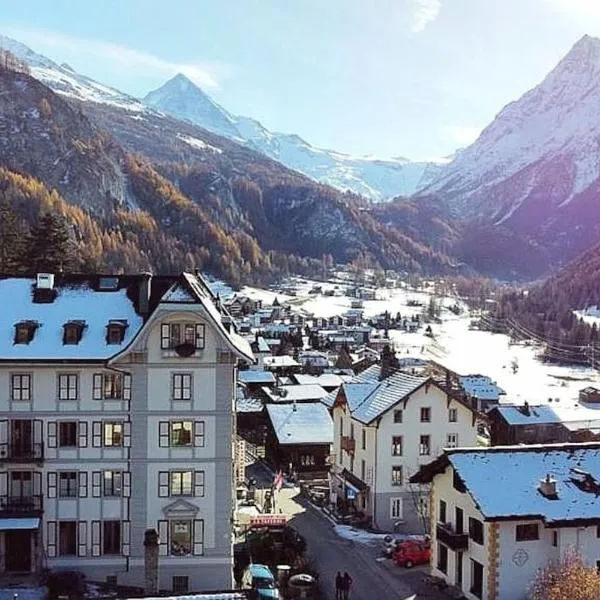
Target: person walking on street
column 346, row 585
column 339, row 584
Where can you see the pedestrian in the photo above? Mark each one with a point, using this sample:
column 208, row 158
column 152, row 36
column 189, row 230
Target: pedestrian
column 346, row 585
column 339, row 584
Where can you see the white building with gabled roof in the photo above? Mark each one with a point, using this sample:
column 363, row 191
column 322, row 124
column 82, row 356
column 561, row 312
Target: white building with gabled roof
column 500, row 514
column 116, row 412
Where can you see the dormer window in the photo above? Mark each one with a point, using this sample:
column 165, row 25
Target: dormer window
column 24, row 331
column 115, row 331
column 184, row 338
column 73, row 331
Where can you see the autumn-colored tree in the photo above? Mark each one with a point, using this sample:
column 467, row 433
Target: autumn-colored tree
column 569, row 579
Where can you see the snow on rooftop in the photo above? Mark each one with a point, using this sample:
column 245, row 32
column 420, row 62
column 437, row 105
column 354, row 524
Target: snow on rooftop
column 587, row 416
column 504, row 481
column 280, row 361
column 481, row 386
column 256, row 377
column 307, row 423
column 72, row 303
column 291, row 393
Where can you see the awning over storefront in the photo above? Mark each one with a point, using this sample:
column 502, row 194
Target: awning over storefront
column 12, row 524
column 351, row 482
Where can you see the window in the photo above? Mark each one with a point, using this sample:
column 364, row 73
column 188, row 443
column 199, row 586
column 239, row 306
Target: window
column 67, row 484
column 452, row 415
column 397, row 475
column 364, row 439
column 67, row 434
column 341, row 426
column 307, row 460
column 452, row 440
column 113, row 434
column 442, row 558
column 181, row 483
column 112, row 483
column 363, row 469
column 20, row 386
column 180, row 584
column 397, row 445
column 555, row 539
column 527, row 533
column 181, row 538
column 396, row 509
column 425, row 445
column 68, row 385
column 442, row 513
column 182, row 386
column 476, row 578
column 72, row 332
column 177, row 334
column 111, row 537
column 67, row 538
column 24, row 331
column 181, row 433
column 398, row 416
column 115, row 332
column 108, row 386
column 476, row 530
column 425, row 414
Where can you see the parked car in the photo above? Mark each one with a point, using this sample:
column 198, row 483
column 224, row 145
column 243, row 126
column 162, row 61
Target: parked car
column 412, row 552
column 260, row 580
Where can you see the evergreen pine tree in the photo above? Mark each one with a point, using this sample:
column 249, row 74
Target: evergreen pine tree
column 11, row 240
column 50, row 247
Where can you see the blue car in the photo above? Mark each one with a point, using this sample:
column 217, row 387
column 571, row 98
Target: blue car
column 260, row 580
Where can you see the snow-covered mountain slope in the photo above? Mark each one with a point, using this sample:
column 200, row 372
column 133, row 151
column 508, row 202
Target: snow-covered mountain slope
column 371, row 177
column 64, row 80
column 539, row 156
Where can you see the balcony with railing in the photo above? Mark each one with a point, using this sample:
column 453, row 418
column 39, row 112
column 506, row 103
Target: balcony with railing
column 21, row 506
column 21, row 453
column 455, row 541
column 348, row 444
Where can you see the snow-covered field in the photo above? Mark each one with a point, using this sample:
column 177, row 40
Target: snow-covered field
column 455, row 345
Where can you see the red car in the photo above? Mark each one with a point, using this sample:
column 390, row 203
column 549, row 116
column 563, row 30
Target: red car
column 411, row 552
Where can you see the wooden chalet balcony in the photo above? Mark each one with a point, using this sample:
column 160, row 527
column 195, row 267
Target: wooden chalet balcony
column 348, row 444
column 21, row 453
column 21, row 506
column 448, row 537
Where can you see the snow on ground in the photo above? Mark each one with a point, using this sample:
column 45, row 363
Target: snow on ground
column 199, row 144
column 359, row 535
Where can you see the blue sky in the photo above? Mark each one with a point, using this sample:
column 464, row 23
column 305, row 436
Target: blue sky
column 414, row 78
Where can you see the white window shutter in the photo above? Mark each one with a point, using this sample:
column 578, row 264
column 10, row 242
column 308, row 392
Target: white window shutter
column 163, row 434
column 51, row 434
column 83, row 484
column 198, row 549
column 127, row 387
column 96, row 484
column 199, row 484
column 200, row 336
column 96, row 539
column 199, row 434
column 165, row 336
column 125, row 537
column 127, row 434
column 4, row 431
column 126, row 484
column 163, row 484
column 163, row 538
column 51, row 488
column 96, row 434
column 97, row 386
column 82, row 433
column 82, row 538
column 51, row 539
column 3, row 483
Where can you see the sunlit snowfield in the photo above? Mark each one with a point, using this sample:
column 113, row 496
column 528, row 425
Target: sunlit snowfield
column 455, row 345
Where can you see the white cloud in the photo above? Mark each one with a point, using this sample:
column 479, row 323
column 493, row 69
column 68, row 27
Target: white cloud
column 423, row 13
column 582, row 10
column 123, row 56
column 463, row 135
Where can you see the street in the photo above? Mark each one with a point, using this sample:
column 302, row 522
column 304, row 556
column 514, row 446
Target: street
column 330, row 552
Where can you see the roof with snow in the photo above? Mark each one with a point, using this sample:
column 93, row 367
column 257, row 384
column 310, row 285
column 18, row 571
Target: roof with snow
column 504, row 480
column 307, row 423
column 481, row 386
column 575, row 416
column 258, row 377
column 300, row 393
column 280, row 361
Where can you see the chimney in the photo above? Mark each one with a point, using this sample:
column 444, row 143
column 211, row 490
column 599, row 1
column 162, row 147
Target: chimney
column 43, row 291
column 144, row 294
column 389, row 363
column 547, row 487
column 151, row 562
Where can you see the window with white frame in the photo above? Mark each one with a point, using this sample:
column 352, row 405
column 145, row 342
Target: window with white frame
column 181, row 537
column 452, row 415
column 112, row 434
column 181, row 483
column 396, row 508
column 425, row 445
column 397, row 445
column 67, row 484
column 398, row 416
column 181, row 433
column 178, row 334
column 20, row 386
column 111, row 537
column 68, row 386
column 108, row 386
column 397, row 475
column 425, row 414
column 181, row 386
column 452, row 440
column 112, row 483
column 67, row 434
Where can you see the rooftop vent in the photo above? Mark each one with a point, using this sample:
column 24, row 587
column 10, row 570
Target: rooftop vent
column 43, row 291
column 45, row 281
column 547, row 487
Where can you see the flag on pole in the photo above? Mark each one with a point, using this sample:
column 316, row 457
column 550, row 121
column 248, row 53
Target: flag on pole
column 278, row 480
